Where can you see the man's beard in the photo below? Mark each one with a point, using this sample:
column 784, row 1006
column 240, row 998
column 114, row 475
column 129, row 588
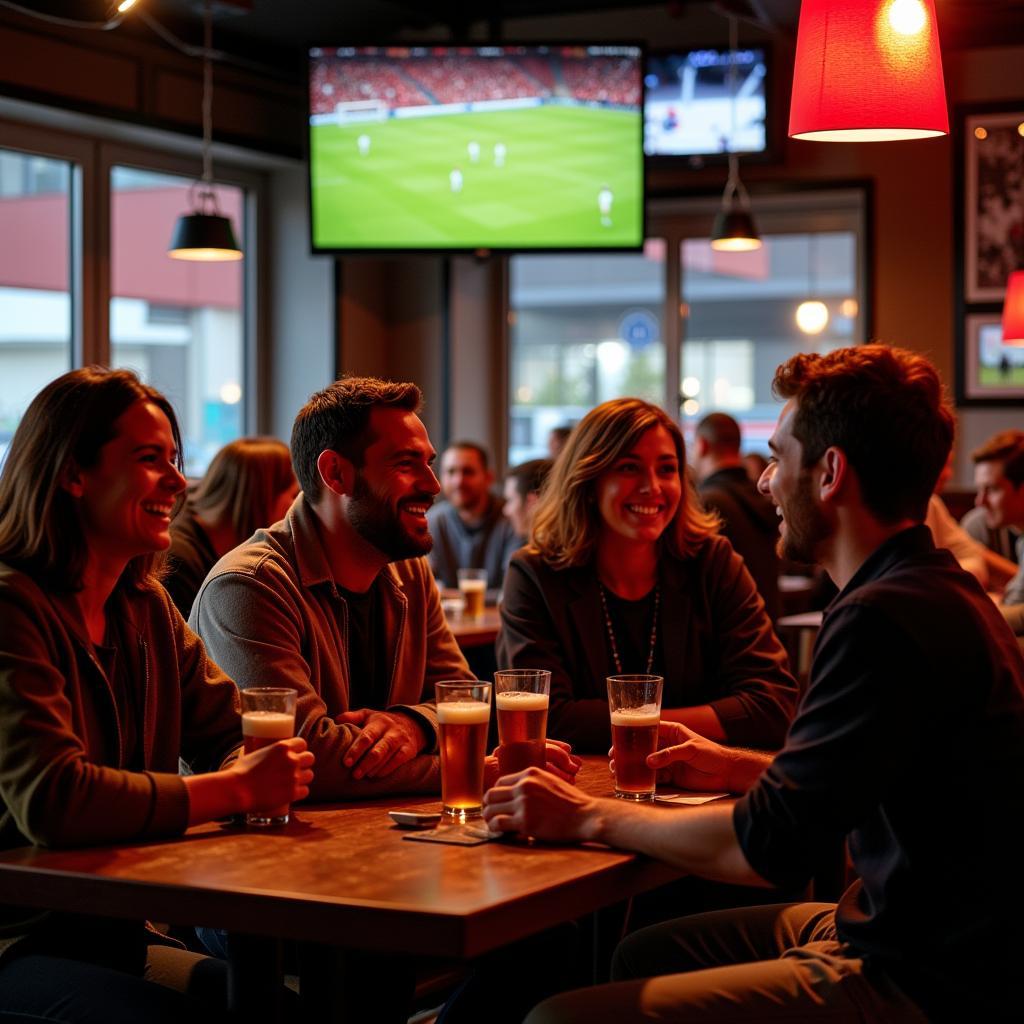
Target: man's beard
column 806, row 525
column 374, row 519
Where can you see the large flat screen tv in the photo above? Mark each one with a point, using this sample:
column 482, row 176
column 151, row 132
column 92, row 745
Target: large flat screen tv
column 469, row 148
column 688, row 103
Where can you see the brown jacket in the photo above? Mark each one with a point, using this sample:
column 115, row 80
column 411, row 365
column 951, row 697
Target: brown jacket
column 61, row 777
column 270, row 614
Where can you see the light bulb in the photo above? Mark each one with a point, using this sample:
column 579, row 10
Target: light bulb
column 907, row 17
column 812, row 316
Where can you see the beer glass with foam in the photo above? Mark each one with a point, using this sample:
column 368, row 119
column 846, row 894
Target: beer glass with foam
column 473, row 585
column 634, row 702
column 521, row 700
column 268, row 715
column 463, row 714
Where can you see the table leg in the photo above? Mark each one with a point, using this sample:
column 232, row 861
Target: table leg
column 255, row 978
column 339, row 985
column 606, row 930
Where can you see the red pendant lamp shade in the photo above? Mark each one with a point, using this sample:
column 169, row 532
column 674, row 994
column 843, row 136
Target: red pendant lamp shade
column 867, row 71
column 1013, row 310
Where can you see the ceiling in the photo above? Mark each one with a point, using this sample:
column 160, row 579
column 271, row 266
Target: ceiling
column 278, row 32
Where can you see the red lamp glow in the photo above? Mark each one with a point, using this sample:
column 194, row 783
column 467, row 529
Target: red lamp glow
column 1013, row 310
column 868, row 71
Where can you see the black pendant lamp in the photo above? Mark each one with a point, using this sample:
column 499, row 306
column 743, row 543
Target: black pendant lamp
column 205, row 235
column 734, row 229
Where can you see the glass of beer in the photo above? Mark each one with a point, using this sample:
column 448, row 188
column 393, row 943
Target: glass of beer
column 635, row 705
column 473, row 585
column 521, row 699
column 463, row 714
column 268, row 715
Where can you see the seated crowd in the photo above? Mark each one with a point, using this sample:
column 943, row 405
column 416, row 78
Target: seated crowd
column 120, row 670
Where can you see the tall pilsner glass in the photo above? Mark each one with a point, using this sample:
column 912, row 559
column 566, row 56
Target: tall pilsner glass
column 463, row 714
column 521, row 699
column 634, row 702
column 268, row 715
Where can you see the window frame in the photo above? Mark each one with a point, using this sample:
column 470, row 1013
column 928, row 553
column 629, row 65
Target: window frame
column 810, row 208
column 93, row 157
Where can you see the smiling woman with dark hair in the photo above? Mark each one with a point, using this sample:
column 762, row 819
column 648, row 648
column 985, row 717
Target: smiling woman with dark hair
column 102, row 688
column 626, row 573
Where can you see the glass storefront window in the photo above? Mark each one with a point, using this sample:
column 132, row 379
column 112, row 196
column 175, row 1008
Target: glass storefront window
column 35, row 296
column 745, row 313
column 583, row 329
column 180, row 325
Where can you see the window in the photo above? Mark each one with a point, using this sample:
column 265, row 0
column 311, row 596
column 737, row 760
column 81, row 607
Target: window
column 35, row 273
column 85, row 278
column 691, row 329
column 743, row 314
column 583, row 329
column 179, row 325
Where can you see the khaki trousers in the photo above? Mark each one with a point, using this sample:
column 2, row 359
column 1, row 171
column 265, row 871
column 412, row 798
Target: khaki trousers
column 759, row 964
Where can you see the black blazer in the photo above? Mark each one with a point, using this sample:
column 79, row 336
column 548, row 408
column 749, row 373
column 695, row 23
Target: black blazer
column 717, row 645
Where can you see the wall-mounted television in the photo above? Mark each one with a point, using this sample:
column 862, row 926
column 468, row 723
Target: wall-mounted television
column 688, row 103
column 469, row 148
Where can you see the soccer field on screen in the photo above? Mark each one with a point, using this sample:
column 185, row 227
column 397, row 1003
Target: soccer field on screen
column 542, row 192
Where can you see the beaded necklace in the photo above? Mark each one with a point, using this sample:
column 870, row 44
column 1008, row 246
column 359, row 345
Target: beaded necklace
column 611, row 630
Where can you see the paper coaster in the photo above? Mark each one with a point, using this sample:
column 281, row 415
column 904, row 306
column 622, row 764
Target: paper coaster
column 688, row 798
column 460, row 834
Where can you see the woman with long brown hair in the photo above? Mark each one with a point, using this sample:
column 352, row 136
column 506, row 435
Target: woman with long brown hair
column 249, row 484
column 102, row 688
column 625, row 573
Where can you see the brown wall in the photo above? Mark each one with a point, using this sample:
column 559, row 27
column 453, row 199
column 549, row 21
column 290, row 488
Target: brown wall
column 123, row 74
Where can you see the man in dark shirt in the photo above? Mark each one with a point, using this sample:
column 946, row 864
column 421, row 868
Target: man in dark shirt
column 909, row 743
column 470, row 530
column 748, row 519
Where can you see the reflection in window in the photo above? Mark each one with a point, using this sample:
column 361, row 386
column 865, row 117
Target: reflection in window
column 742, row 314
column 583, row 329
column 35, row 302
column 178, row 324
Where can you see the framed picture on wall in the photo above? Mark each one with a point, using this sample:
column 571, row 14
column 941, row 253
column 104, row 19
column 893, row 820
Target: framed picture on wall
column 992, row 160
column 991, row 372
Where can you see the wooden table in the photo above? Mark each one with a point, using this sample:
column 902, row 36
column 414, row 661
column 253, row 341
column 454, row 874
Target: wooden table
column 339, row 875
column 798, row 633
column 476, row 632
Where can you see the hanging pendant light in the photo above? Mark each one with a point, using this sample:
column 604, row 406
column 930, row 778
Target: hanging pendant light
column 734, row 229
column 204, row 235
column 1013, row 310
column 867, row 71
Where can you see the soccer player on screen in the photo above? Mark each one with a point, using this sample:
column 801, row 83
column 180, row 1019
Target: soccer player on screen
column 499, row 154
column 363, row 142
column 474, row 152
column 455, row 180
column 605, row 198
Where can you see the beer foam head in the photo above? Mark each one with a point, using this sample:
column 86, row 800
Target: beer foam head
column 648, row 714
column 275, row 725
column 472, row 584
column 519, row 700
column 463, row 712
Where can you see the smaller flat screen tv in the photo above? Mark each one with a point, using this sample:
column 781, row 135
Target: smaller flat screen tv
column 688, row 103
column 469, row 148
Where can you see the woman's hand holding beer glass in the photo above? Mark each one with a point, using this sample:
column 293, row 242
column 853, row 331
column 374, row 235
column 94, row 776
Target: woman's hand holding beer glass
column 521, row 697
column 274, row 776
column 268, row 723
column 559, row 760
